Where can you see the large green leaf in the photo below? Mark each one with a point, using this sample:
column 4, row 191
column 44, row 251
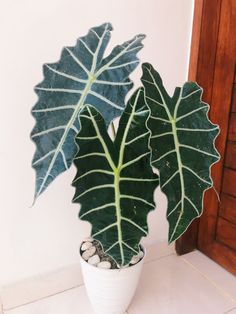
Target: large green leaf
column 82, row 75
column 183, row 147
column 114, row 181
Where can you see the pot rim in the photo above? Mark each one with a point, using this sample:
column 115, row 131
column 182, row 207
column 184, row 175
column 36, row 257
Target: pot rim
column 116, row 269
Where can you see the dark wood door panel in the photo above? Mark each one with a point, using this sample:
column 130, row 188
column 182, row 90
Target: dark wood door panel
column 232, row 128
column 226, row 233
column 228, row 208
column 229, row 182
column 234, row 97
column 230, row 157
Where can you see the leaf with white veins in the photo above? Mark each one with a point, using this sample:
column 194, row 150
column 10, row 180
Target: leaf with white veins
column 114, row 181
column 183, row 147
column 81, row 76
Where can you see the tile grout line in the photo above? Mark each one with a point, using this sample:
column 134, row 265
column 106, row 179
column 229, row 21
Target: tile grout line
column 234, row 308
column 40, row 299
column 157, row 259
column 221, row 290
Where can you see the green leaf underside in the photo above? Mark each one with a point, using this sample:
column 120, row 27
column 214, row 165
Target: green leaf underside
column 82, row 75
column 183, row 147
column 114, row 181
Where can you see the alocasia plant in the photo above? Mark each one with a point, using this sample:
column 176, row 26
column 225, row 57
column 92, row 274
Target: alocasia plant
column 78, row 98
column 82, row 75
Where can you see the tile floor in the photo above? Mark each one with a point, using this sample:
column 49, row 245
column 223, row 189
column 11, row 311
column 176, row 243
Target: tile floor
column 191, row 284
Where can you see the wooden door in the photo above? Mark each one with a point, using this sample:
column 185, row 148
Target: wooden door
column 213, row 66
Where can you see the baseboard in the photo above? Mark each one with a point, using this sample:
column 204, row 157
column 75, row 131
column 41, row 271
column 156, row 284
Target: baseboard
column 39, row 287
column 46, row 285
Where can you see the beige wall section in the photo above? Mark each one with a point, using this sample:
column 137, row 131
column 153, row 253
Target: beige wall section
column 46, row 237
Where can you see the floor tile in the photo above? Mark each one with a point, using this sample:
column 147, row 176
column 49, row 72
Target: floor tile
column 170, row 286
column 72, row 301
column 222, row 278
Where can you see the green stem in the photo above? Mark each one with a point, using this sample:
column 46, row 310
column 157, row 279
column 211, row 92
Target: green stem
column 113, row 130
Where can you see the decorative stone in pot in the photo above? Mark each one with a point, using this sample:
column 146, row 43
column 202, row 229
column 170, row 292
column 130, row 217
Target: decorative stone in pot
column 110, row 291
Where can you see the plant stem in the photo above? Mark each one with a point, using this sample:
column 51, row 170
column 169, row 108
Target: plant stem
column 113, row 130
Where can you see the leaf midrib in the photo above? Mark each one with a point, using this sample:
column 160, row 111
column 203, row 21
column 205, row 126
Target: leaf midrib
column 180, row 171
column 117, row 178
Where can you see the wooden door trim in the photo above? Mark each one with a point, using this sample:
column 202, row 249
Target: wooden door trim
column 208, row 238
column 212, row 63
column 206, row 21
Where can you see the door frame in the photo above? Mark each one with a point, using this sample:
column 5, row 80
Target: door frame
column 204, row 55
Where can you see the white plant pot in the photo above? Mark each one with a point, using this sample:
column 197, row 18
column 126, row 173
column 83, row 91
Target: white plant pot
column 110, row 291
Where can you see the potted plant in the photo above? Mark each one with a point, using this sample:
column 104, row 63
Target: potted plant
column 78, row 99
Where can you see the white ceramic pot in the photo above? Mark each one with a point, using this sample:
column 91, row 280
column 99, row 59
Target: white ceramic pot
column 111, row 290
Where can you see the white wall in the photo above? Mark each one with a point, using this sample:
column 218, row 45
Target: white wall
column 46, row 237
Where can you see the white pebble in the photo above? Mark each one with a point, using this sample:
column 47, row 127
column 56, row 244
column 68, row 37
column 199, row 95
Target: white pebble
column 86, row 245
column 88, row 253
column 104, row 264
column 88, row 239
column 135, row 259
column 94, row 260
column 140, row 254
